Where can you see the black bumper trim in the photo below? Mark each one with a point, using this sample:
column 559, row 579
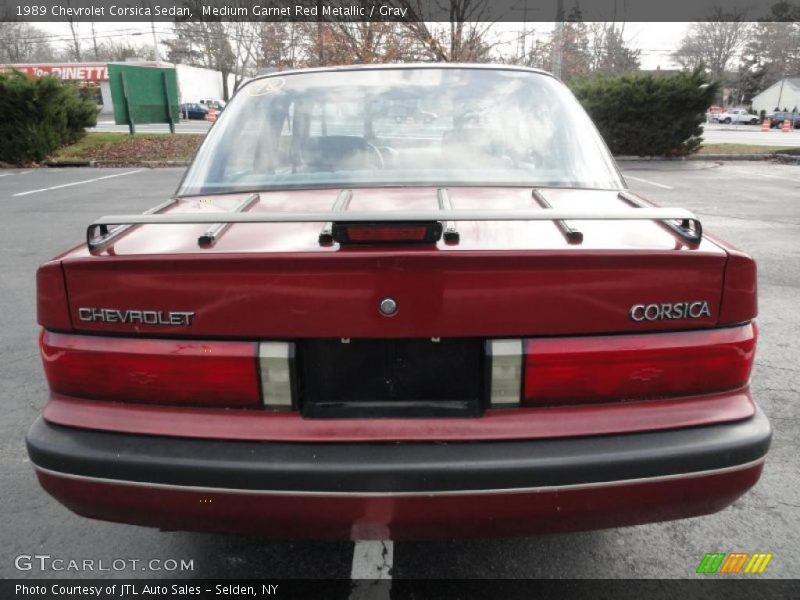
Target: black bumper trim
column 396, row 467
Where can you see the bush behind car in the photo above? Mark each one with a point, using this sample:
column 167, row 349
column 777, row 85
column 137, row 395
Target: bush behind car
column 648, row 115
column 40, row 115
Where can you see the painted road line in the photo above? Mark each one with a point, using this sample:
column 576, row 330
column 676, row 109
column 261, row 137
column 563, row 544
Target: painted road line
column 15, row 173
column 66, row 185
column 647, row 181
column 371, row 573
column 372, row 559
column 781, row 177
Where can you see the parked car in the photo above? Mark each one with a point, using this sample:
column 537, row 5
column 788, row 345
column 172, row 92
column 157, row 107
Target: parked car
column 777, row 118
column 193, row 110
column 488, row 335
column 713, row 113
column 218, row 105
column 738, row 115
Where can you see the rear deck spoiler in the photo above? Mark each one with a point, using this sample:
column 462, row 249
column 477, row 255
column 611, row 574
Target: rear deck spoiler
column 681, row 222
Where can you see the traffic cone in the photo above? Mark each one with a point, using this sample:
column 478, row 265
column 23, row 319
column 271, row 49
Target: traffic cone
column 787, row 126
column 212, row 114
column 766, row 124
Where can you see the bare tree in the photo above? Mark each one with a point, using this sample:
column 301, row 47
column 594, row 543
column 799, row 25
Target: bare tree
column 94, row 42
column 120, row 50
column 773, row 49
column 715, row 43
column 74, row 51
column 278, row 45
column 203, row 44
column 22, row 42
column 570, row 43
column 371, row 42
column 462, row 39
column 538, row 54
column 245, row 39
column 608, row 50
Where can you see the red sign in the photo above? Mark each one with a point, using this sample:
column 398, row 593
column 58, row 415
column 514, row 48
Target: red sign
column 71, row 71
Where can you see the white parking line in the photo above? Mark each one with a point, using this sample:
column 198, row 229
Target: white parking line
column 65, row 185
column 372, row 559
column 647, row 181
column 372, row 570
column 781, row 177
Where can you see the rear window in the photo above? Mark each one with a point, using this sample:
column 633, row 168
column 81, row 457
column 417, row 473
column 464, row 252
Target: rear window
column 404, row 126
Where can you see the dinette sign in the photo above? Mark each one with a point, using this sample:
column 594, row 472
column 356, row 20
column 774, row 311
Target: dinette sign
column 72, row 72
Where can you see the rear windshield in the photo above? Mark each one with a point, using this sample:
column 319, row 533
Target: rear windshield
column 405, row 126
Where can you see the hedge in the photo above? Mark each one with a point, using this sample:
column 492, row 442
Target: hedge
column 648, row 115
column 39, row 116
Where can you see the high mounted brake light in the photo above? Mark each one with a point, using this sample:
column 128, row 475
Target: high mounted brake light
column 386, row 233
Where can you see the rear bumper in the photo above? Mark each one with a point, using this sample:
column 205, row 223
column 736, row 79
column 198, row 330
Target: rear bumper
column 400, row 491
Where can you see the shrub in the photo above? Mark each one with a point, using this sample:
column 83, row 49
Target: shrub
column 39, row 116
column 647, row 115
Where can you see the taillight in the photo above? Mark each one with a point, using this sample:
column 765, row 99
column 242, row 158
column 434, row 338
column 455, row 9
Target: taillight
column 739, row 297
column 634, row 367
column 52, row 308
column 183, row 372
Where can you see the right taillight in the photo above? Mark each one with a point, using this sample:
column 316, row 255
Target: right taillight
column 221, row 374
column 642, row 366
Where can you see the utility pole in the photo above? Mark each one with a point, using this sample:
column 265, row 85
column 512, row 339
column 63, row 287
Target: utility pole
column 522, row 50
column 558, row 38
column 156, row 52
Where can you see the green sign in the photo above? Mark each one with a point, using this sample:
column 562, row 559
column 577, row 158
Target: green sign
column 143, row 95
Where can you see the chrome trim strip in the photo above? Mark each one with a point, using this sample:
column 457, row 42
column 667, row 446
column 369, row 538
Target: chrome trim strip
column 552, row 488
column 365, row 216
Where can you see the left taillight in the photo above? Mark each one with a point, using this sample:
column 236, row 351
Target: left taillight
column 220, row 374
column 52, row 307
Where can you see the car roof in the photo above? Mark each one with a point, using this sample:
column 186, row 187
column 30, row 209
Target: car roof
column 401, row 66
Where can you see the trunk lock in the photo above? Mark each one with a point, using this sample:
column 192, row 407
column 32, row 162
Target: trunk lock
column 388, row 306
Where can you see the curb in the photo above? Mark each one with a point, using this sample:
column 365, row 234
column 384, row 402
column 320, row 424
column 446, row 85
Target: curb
column 68, row 163
column 149, row 164
column 788, row 158
column 700, row 157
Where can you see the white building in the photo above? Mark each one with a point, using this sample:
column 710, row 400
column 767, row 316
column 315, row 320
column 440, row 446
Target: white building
column 196, row 84
column 781, row 94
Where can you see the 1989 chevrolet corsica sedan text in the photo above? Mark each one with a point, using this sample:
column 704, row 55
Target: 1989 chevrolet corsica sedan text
column 349, row 325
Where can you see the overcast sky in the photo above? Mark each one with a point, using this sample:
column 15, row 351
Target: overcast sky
column 656, row 40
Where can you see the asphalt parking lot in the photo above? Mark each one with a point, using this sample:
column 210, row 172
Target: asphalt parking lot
column 754, row 205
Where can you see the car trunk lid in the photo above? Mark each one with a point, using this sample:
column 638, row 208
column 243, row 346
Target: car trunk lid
column 517, row 278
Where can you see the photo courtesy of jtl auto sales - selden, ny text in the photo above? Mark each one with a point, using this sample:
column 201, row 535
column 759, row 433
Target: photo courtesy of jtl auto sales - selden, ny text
column 400, row 299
